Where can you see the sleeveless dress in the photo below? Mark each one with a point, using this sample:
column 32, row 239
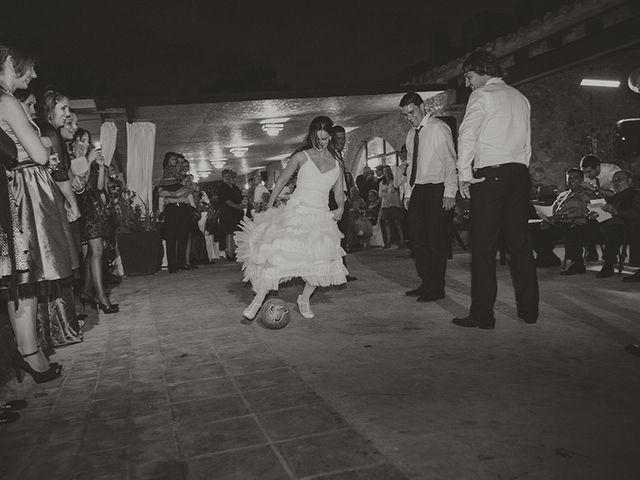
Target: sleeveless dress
column 299, row 239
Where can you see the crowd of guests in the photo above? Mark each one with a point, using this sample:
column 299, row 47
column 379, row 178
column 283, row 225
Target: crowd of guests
column 55, row 217
column 598, row 208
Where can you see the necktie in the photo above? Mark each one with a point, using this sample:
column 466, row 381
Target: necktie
column 414, row 159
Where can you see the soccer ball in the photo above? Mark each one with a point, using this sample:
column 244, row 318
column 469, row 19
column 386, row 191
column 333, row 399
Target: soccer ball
column 274, row 314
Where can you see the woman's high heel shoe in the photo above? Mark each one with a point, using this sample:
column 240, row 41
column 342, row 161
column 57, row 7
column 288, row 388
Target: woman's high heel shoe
column 305, row 308
column 19, row 364
column 252, row 310
column 112, row 308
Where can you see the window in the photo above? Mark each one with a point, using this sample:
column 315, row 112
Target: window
column 376, row 151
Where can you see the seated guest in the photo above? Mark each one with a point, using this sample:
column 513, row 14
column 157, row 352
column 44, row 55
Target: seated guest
column 624, row 205
column 569, row 221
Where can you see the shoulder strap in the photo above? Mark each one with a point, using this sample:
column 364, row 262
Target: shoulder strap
column 305, row 152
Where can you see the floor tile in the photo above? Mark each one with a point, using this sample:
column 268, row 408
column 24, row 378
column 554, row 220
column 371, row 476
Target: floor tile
column 163, row 469
column 216, row 436
column 186, row 358
column 198, row 389
column 299, row 421
column 70, row 413
column 111, row 465
column 252, row 363
column 377, row 472
column 281, row 397
column 110, row 408
column 271, row 378
column 328, row 453
column 254, row 463
column 209, row 409
column 55, row 469
column 105, row 435
column 185, row 373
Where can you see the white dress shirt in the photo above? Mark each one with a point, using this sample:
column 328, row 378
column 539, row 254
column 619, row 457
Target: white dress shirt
column 605, row 177
column 436, row 155
column 496, row 129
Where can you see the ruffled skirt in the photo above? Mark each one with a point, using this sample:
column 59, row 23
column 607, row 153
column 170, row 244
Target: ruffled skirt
column 295, row 240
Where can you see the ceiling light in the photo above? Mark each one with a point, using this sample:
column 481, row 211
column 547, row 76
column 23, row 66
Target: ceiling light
column 590, row 82
column 219, row 164
column 272, row 129
column 274, row 120
column 239, row 152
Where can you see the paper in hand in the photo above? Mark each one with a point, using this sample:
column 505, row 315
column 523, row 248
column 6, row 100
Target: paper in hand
column 596, row 206
column 544, row 211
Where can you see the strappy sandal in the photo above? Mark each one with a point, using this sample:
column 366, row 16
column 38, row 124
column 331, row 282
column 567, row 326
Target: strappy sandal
column 304, row 308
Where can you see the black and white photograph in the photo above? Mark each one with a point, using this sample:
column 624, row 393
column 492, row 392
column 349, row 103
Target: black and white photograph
column 293, row 240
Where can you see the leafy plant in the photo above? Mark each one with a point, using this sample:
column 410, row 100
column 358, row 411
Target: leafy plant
column 132, row 214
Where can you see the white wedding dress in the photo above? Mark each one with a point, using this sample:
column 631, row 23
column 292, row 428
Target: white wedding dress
column 299, row 239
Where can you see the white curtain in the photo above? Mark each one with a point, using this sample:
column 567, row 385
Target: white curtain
column 141, row 138
column 108, row 138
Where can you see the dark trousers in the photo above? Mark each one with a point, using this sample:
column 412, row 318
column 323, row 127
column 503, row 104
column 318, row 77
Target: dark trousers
column 343, row 223
column 501, row 204
column 613, row 234
column 546, row 237
column 428, row 235
column 177, row 224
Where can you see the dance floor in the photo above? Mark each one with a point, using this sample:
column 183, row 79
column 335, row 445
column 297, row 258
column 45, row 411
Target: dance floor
column 377, row 386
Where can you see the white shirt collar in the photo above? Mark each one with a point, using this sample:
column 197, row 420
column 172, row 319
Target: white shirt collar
column 494, row 80
column 424, row 121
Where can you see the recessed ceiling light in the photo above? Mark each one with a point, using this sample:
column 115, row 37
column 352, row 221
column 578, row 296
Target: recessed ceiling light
column 272, row 129
column 239, row 152
column 274, row 120
column 590, row 82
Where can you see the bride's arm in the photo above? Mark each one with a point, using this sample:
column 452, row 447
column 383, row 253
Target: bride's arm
column 292, row 166
column 338, row 193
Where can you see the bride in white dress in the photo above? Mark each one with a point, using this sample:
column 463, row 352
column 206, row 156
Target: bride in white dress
column 301, row 238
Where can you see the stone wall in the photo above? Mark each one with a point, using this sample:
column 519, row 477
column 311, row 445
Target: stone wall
column 391, row 127
column 561, row 114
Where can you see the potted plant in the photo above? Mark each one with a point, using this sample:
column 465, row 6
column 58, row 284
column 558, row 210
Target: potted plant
column 139, row 240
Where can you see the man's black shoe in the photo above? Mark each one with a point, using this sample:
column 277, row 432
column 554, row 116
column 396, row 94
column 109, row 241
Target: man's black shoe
column 635, row 278
column 574, row 269
column 430, row 297
column 471, row 322
column 606, row 271
column 416, row 292
column 529, row 320
column 351, row 278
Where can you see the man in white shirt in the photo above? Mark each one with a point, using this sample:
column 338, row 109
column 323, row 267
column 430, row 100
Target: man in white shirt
column 494, row 148
column 598, row 176
column 432, row 175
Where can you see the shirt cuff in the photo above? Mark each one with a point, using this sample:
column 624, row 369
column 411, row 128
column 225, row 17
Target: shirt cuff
column 450, row 191
column 465, row 175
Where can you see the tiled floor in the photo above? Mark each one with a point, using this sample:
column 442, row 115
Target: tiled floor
column 375, row 387
column 169, row 389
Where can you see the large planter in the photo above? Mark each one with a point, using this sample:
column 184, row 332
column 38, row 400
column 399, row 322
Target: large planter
column 140, row 252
